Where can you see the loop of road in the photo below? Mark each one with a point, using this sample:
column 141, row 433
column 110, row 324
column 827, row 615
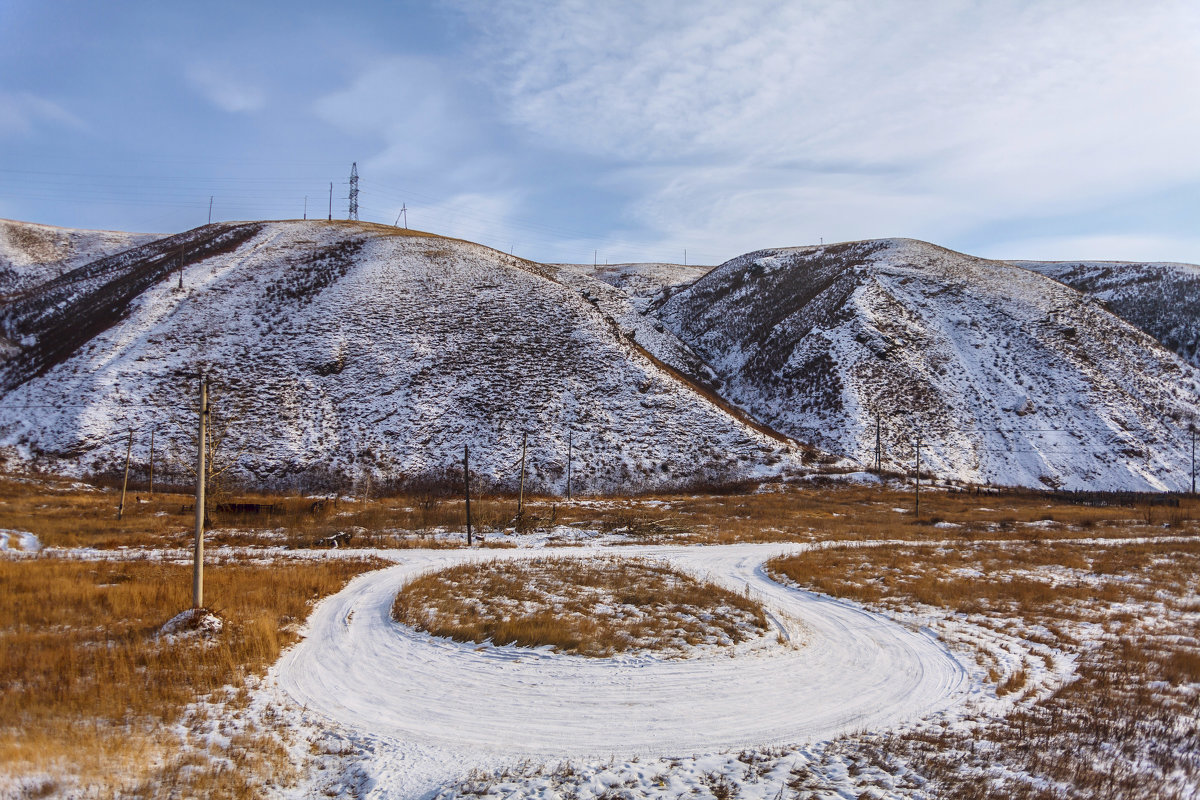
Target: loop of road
column 844, row 670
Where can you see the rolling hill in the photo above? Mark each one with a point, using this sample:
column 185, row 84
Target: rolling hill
column 31, row 254
column 342, row 350
column 1007, row 376
column 1163, row 299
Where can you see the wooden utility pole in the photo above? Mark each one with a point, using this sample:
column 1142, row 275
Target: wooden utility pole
column 1193, row 459
column 570, row 443
column 306, row 206
column 201, row 469
column 521, row 490
column 331, row 201
column 878, row 447
column 152, row 461
column 467, row 488
column 918, row 511
column 125, row 483
column 210, row 199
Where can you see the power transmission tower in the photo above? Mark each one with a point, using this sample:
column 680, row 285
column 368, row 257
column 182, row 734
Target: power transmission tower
column 353, row 191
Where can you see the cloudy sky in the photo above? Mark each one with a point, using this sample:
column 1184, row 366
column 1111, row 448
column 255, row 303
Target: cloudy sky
column 619, row 130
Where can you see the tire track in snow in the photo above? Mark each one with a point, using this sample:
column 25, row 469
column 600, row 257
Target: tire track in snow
column 852, row 670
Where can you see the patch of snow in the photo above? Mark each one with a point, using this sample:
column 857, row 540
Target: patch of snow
column 19, row 541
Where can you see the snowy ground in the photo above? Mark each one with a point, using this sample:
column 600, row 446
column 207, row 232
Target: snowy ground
column 434, row 715
column 367, row 708
column 19, row 541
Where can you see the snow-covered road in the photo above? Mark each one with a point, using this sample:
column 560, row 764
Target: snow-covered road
column 844, row 669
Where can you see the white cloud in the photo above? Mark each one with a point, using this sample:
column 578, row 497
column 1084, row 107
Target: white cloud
column 1104, row 247
column 21, row 113
column 413, row 105
column 477, row 217
column 225, row 88
column 780, row 119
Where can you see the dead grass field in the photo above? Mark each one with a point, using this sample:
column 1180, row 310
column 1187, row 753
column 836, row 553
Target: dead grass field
column 593, row 607
column 87, row 691
column 69, row 514
column 1128, row 727
column 88, row 688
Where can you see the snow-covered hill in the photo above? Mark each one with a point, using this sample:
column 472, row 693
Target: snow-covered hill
column 345, row 349
column 1161, row 298
column 1008, row 376
column 341, row 350
column 31, row 254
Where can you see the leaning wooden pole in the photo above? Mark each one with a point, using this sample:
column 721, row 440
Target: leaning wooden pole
column 1193, row 460
column 152, row 461
column 570, row 444
column 918, row 492
column 467, row 487
column 125, row 483
column 521, row 489
column 201, row 469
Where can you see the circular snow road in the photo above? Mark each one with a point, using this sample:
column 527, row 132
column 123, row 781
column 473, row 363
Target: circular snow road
column 844, row 669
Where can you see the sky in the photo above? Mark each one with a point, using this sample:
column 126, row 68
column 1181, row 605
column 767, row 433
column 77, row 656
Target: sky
column 619, row 131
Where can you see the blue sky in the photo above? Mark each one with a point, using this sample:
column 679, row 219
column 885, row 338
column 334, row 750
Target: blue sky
column 632, row 130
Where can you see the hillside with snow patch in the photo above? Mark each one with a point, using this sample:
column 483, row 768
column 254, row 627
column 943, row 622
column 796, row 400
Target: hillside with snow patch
column 31, row 254
column 628, row 295
column 1161, row 298
column 1009, row 377
column 346, row 350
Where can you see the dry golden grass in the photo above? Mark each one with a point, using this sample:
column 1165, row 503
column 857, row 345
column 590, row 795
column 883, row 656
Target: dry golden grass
column 70, row 514
column 61, row 513
column 86, row 685
column 593, row 607
column 1128, row 727
column 848, row 512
